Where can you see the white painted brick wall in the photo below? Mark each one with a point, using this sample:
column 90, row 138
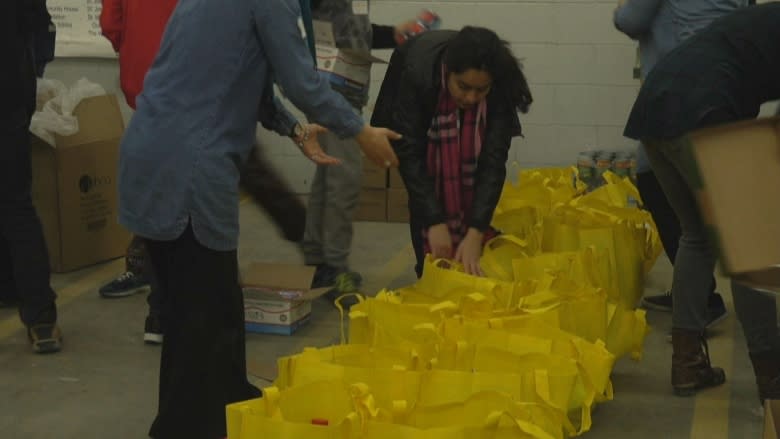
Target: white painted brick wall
column 578, row 65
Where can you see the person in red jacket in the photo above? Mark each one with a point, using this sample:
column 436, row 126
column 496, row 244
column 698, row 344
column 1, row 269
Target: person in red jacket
column 135, row 29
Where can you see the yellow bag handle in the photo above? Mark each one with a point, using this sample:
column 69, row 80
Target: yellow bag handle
column 361, row 298
column 488, row 260
column 271, row 396
column 493, row 422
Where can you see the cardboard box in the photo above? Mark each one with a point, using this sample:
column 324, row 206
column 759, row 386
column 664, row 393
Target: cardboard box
column 397, row 206
column 771, row 419
column 277, row 297
column 74, row 188
column 374, row 176
column 739, row 169
column 343, row 66
column 372, row 205
column 394, row 180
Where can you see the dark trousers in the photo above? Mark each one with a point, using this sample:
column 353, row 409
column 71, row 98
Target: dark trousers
column 203, row 363
column 24, row 259
column 666, row 220
column 137, row 262
column 269, row 190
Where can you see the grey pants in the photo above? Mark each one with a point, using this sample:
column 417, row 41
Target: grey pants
column 671, row 161
column 334, row 197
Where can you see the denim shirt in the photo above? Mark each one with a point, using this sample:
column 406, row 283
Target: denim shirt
column 196, row 117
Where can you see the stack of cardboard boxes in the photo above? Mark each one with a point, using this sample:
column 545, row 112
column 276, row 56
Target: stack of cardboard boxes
column 383, row 196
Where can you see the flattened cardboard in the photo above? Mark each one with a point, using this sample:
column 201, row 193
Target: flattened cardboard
column 281, row 281
column 74, row 188
column 345, row 67
column 739, row 170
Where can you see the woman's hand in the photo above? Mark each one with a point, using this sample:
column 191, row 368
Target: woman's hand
column 440, row 241
column 310, row 146
column 469, row 251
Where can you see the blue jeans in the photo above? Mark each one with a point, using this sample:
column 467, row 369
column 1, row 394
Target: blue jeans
column 673, row 166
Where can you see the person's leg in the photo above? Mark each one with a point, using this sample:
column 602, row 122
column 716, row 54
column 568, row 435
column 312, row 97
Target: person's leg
column 757, row 314
column 663, row 215
column 311, row 245
column 693, row 268
column 8, row 295
column 203, row 362
column 153, row 325
column 22, row 232
column 669, row 230
column 272, row 194
column 332, row 205
column 342, row 192
column 133, row 280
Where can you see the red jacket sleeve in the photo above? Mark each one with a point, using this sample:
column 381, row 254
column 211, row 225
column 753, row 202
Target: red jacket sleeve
column 112, row 22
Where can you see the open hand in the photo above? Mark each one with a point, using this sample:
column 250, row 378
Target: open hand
column 311, row 148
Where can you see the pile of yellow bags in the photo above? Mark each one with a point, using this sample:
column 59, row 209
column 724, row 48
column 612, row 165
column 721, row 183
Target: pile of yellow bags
column 524, row 352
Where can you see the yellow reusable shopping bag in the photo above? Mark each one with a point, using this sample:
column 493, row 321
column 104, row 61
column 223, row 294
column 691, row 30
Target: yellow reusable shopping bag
column 318, row 410
column 534, row 378
column 498, row 254
column 445, row 280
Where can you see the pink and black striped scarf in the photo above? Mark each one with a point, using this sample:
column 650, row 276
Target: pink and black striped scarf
column 454, row 144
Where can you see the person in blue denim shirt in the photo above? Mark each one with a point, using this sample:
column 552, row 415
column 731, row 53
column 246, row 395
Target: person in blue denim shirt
column 178, row 184
column 659, row 26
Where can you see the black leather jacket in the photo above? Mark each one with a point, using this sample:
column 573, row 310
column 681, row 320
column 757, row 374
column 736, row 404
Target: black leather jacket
column 406, row 104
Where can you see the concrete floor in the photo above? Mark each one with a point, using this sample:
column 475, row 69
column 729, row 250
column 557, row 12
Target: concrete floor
column 104, row 383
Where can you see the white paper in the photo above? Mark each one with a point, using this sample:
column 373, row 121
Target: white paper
column 360, row 7
column 78, row 29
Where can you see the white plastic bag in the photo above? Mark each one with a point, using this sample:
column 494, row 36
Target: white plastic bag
column 56, row 116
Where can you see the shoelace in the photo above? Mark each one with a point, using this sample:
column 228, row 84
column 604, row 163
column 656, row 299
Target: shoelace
column 125, row 276
column 706, row 348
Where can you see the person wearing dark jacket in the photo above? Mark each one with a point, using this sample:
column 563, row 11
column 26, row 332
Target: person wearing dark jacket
column 722, row 74
column 22, row 22
column 454, row 96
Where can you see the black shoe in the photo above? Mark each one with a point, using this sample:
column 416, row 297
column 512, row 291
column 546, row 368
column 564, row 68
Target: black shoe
column 153, row 330
column 346, row 282
column 324, row 276
column 45, row 338
column 125, row 285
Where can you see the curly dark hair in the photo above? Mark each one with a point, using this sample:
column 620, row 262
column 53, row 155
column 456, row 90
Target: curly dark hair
column 482, row 49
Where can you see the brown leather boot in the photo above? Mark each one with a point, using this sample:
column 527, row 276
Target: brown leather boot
column 766, row 366
column 691, row 368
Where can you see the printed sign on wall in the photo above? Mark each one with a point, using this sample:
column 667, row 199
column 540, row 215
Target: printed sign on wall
column 78, row 29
